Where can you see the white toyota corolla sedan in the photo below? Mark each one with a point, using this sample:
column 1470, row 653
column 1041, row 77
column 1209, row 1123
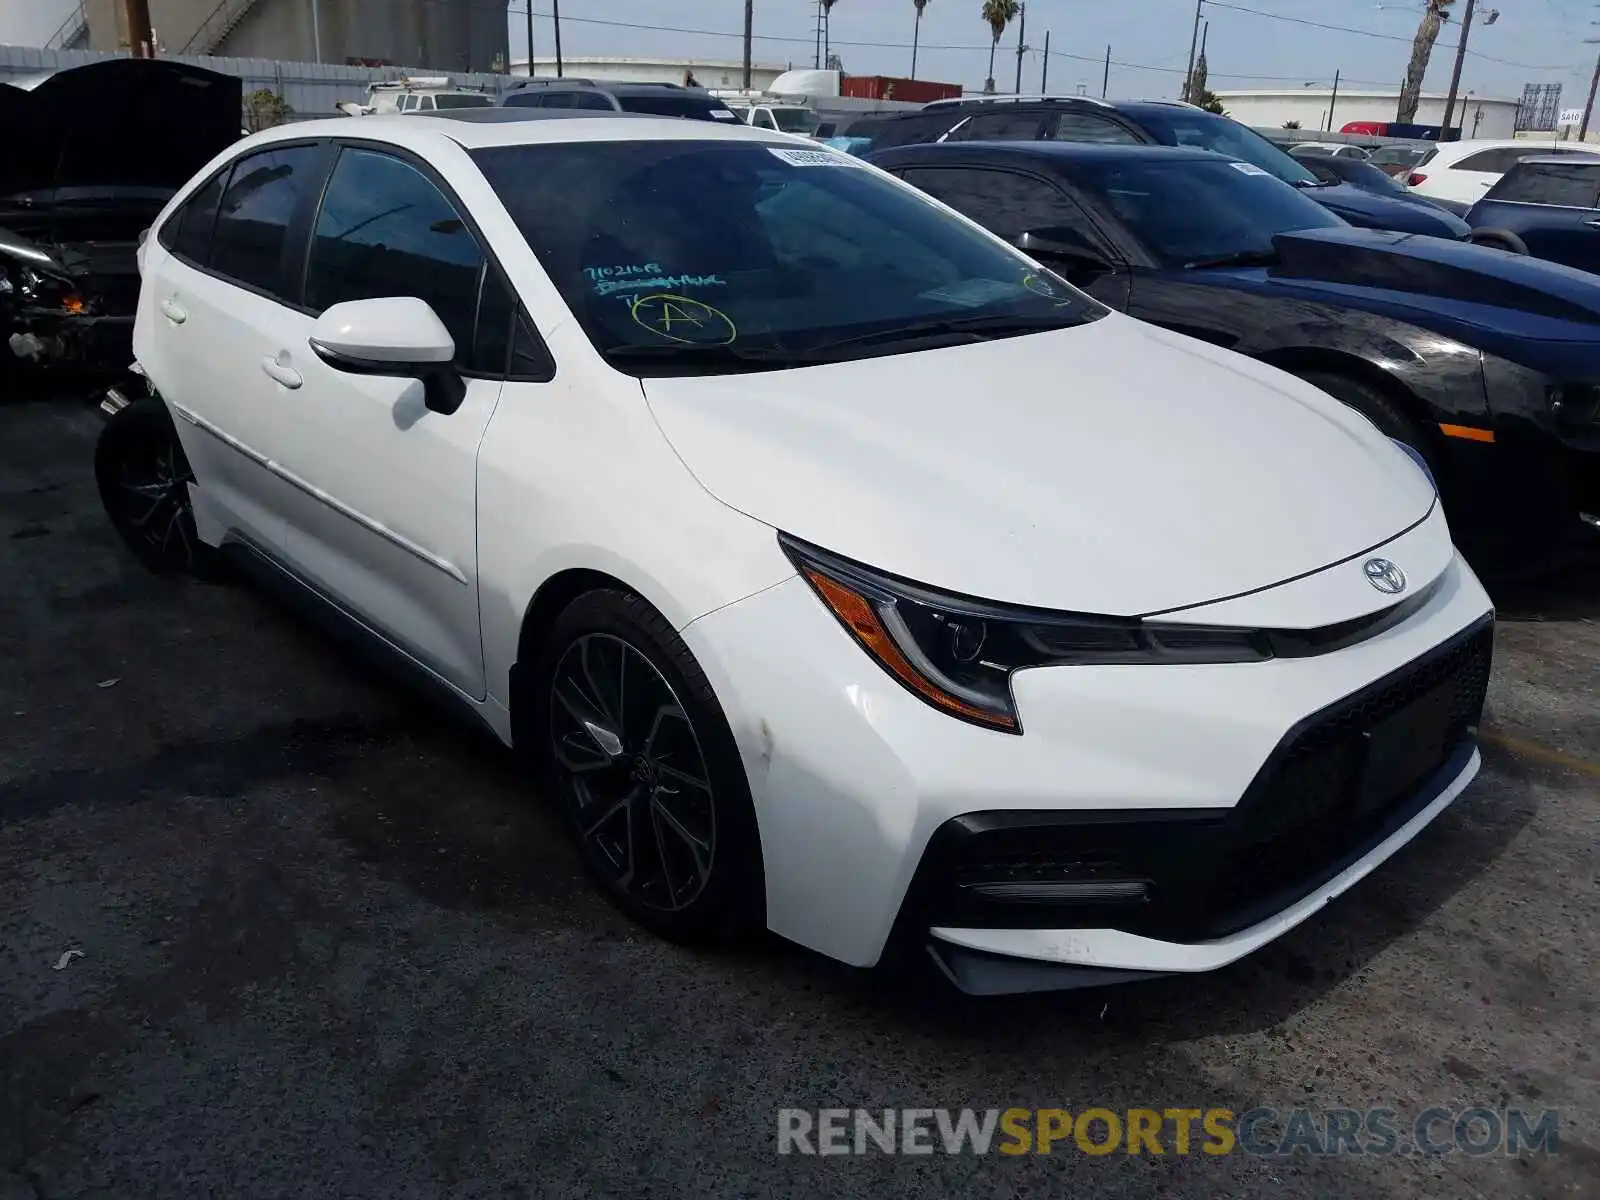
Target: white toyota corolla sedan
column 839, row 568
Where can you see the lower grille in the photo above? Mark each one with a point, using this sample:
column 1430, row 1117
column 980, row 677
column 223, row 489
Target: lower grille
column 1337, row 784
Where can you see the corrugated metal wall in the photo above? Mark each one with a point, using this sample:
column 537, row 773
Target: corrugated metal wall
column 312, row 89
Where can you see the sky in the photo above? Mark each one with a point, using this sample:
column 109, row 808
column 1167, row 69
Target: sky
column 1251, row 43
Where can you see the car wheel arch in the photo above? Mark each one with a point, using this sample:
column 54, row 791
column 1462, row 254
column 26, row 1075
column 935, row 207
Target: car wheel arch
column 1301, row 362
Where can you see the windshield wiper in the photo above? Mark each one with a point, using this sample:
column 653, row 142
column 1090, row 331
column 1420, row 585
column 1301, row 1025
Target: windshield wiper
column 1240, row 258
column 979, row 328
column 731, row 355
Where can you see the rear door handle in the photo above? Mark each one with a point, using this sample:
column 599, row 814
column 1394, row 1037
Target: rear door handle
column 174, row 312
column 280, row 372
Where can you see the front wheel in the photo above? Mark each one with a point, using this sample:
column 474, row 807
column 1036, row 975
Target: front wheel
column 638, row 754
column 1499, row 239
column 144, row 479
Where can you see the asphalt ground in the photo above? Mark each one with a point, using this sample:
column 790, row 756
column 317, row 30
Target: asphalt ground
column 331, row 945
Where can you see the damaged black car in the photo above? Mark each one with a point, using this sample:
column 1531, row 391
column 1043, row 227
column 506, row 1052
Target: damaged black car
column 91, row 155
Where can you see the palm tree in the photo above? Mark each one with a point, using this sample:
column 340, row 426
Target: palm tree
column 998, row 14
column 1433, row 18
column 916, row 34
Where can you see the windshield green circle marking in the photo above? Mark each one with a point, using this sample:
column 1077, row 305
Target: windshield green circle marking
column 682, row 319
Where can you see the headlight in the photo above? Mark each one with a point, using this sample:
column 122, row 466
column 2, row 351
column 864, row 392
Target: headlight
column 1415, row 456
column 957, row 653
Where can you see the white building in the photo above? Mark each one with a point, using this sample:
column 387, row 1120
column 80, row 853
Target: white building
column 1477, row 116
column 708, row 72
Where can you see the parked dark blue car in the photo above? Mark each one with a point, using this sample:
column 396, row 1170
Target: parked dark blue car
column 1486, row 363
column 1548, row 207
column 1147, row 122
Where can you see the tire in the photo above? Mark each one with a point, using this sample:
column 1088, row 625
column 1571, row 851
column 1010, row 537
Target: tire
column 1499, row 239
column 632, row 744
column 144, row 481
column 1376, row 406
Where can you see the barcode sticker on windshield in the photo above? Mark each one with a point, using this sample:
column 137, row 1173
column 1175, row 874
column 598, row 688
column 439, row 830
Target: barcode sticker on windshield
column 814, row 158
column 1248, row 168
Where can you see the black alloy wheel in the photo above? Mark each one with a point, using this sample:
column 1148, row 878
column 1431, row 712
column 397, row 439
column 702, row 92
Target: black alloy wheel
column 144, row 479
column 638, row 754
column 636, row 779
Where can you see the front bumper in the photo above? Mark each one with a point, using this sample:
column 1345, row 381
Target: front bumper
column 1525, row 503
column 853, row 778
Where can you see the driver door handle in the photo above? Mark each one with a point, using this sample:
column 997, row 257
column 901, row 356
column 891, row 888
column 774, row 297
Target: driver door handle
column 174, row 312
column 281, row 372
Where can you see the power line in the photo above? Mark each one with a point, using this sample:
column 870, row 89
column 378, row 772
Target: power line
column 1386, row 37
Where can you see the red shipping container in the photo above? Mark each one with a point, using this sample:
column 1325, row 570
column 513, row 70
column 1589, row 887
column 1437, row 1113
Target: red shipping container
column 885, row 87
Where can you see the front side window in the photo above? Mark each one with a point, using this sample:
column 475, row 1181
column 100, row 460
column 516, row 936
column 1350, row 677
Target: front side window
column 998, row 127
column 1003, row 202
column 1566, row 184
column 1189, row 212
column 735, row 254
column 253, row 218
column 1083, row 127
column 796, row 120
column 386, row 230
column 1206, row 131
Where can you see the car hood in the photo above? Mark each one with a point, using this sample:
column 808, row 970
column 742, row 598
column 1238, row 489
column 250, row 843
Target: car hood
column 118, row 123
column 1374, row 211
column 1110, row 468
column 1467, row 285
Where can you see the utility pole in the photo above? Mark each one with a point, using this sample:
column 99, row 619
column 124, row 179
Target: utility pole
column 1594, row 83
column 1105, row 79
column 1334, row 99
column 1194, row 40
column 1455, row 76
column 1022, row 46
column 1044, row 70
column 316, row 30
column 530, row 39
column 749, row 36
column 818, row 61
column 141, row 41
column 555, row 13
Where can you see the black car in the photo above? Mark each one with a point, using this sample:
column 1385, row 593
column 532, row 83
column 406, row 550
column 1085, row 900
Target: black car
column 1143, row 122
column 647, row 99
column 1487, row 364
column 1360, row 173
column 91, row 155
column 1546, row 206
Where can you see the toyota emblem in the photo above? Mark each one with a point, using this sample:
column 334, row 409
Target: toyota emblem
column 1385, row 576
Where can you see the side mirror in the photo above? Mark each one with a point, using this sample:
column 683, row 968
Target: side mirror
column 1065, row 247
column 398, row 336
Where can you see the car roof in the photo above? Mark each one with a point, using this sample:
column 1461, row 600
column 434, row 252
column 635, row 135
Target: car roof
column 421, row 136
column 1053, row 151
column 619, row 88
column 1449, row 151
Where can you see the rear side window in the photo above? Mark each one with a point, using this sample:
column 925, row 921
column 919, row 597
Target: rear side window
column 253, row 219
column 675, row 104
column 1496, row 162
column 998, row 127
column 386, row 230
column 591, row 100
column 524, row 100
column 1004, row 203
column 1565, row 184
column 188, row 232
column 1082, row 127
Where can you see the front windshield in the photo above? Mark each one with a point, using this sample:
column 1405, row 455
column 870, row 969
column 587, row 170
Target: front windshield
column 1189, row 211
column 1192, row 127
column 796, row 120
column 686, row 257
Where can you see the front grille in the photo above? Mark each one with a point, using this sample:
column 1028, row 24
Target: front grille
column 1300, row 814
column 1322, row 800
